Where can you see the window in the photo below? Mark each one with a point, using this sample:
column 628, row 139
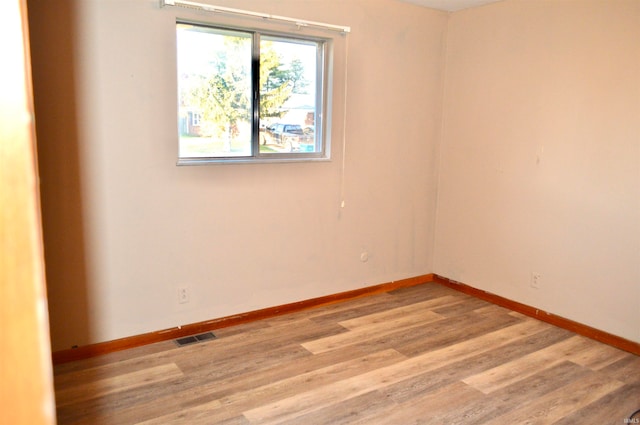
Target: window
column 195, row 118
column 247, row 95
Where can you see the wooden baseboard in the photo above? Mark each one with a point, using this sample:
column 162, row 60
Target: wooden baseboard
column 92, row 350
column 101, row 348
column 579, row 328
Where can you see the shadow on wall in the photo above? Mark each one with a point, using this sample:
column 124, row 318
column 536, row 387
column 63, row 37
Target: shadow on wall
column 53, row 50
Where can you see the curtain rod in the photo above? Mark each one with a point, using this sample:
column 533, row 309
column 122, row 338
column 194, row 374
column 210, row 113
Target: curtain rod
column 210, row 8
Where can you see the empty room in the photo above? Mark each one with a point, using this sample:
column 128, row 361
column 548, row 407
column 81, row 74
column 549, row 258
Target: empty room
column 340, row 211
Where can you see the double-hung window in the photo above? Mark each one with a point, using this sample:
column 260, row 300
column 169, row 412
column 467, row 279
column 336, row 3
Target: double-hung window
column 247, row 95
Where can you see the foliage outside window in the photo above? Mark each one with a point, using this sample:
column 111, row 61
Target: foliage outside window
column 245, row 95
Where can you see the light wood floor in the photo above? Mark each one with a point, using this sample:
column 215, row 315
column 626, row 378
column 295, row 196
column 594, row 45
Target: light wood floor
column 420, row 355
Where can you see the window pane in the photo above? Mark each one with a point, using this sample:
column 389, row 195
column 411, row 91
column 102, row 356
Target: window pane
column 288, row 95
column 214, row 92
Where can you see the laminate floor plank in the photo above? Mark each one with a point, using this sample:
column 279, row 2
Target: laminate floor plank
column 492, row 309
column 361, row 307
column 275, row 335
column 612, row 409
column 312, row 381
column 374, row 330
column 514, row 370
column 269, row 383
column 332, row 313
column 450, row 332
column 309, row 401
column 558, row 404
column 431, row 408
column 235, row 403
column 205, row 414
column 426, row 292
column 447, row 374
column 280, row 342
column 382, row 302
column 461, row 307
column 242, row 328
column 420, row 355
column 216, row 368
column 362, row 407
column 179, row 393
column 511, row 398
column 405, row 311
column 156, row 349
column 102, row 387
column 627, row 370
column 597, row 356
column 197, row 390
column 111, row 368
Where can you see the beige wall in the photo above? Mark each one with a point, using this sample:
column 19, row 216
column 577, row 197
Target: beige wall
column 540, row 157
column 537, row 169
column 124, row 227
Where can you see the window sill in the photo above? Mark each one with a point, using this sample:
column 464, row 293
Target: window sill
column 245, row 160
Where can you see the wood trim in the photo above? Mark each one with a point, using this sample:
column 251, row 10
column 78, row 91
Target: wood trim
column 26, row 378
column 579, row 328
column 101, row 348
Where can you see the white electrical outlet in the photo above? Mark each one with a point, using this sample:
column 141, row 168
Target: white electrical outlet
column 535, row 280
column 183, row 295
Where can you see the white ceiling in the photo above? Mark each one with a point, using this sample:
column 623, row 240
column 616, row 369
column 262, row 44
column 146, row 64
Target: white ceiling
column 450, row 5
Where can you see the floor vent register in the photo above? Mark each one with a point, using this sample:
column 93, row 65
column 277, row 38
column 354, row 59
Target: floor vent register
column 188, row 340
